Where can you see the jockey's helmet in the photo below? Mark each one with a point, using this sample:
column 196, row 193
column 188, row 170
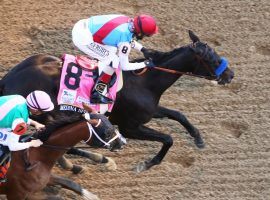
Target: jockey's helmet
column 145, row 25
column 39, row 100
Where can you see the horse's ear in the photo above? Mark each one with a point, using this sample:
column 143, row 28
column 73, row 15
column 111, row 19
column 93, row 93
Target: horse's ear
column 88, row 108
column 193, row 37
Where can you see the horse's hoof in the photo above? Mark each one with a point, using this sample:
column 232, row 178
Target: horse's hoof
column 199, row 143
column 76, row 169
column 89, row 195
column 110, row 165
column 142, row 166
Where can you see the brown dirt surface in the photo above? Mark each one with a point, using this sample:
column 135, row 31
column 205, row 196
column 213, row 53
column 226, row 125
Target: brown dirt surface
column 234, row 120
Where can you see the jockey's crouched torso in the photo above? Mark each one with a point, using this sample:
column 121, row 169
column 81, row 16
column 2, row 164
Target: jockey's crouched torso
column 119, row 34
column 108, row 38
column 13, row 112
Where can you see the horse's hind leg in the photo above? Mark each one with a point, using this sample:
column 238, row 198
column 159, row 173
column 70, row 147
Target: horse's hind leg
column 71, row 185
column 163, row 112
column 95, row 157
column 67, row 165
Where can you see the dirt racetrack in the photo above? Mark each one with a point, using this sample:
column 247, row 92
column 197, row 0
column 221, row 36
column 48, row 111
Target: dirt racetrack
column 234, row 119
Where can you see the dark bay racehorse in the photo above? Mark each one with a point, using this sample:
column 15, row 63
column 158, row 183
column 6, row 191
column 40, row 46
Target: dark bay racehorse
column 138, row 101
column 30, row 169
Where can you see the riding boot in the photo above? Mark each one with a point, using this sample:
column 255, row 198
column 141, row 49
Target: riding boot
column 100, row 90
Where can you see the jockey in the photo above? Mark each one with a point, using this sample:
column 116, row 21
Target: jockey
column 109, row 38
column 14, row 118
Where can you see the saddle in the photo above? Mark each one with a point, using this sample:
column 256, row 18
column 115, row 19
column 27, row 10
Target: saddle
column 78, row 77
column 86, row 63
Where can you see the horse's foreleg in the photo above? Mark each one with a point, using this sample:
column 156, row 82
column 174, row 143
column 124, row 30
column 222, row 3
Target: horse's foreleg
column 163, row 112
column 71, row 185
column 95, row 157
column 67, row 165
column 145, row 133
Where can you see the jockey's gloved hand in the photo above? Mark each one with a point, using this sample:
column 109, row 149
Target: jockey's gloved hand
column 35, row 143
column 149, row 63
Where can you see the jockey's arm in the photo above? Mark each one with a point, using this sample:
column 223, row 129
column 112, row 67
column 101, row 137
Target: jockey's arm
column 14, row 144
column 123, row 53
column 19, row 128
column 36, row 124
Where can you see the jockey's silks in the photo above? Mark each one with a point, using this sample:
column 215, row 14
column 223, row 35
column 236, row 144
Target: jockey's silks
column 110, row 29
column 13, row 108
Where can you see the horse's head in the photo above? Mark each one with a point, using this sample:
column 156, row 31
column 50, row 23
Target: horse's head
column 208, row 63
column 197, row 59
column 104, row 134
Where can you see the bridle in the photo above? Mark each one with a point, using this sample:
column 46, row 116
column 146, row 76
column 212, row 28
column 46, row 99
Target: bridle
column 106, row 144
column 92, row 131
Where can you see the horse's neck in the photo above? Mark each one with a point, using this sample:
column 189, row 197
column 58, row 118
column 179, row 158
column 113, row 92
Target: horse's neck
column 60, row 141
column 160, row 81
column 69, row 135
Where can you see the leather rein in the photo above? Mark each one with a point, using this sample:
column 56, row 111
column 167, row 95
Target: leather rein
column 171, row 71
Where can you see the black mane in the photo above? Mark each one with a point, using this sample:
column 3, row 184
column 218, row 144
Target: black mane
column 63, row 119
column 160, row 56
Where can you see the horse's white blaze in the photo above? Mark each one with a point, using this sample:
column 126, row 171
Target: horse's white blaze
column 88, row 195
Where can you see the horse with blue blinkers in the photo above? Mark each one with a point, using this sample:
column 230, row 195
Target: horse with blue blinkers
column 138, row 101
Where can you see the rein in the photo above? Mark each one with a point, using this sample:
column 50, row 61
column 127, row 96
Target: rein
column 171, row 71
column 216, row 74
column 59, row 148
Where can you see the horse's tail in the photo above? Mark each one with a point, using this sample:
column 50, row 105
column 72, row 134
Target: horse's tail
column 71, row 185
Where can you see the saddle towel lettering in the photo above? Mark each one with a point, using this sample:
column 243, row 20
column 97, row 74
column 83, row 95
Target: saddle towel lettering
column 76, row 84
